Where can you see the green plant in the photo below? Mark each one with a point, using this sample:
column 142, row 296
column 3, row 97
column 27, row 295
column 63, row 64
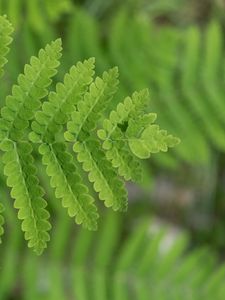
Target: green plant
column 37, row 13
column 78, row 104
column 146, row 259
column 183, row 68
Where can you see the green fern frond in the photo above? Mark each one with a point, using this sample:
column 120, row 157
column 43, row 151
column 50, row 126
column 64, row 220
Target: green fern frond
column 6, row 30
column 114, row 135
column 68, row 184
column 78, row 105
column 89, row 110
column 105, row 180
column 150, row 140
column 130, row 123
column 116, row 126
column 56, row 112
column 31, row 88
column 28, row 194
column 122, row 159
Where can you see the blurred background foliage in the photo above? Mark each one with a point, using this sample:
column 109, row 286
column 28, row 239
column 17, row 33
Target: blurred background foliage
column 176, row 48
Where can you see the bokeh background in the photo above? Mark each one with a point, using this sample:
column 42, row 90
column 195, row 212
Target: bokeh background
column 171, row 242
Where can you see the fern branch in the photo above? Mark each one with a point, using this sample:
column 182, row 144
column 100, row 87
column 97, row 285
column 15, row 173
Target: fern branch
column 28, row 195
column 122, row 159
column 68, row 184
column 105, row 180
column 57, row 110
column 130, row 124
column 31, row 88
column 89, row 110
column 132, row 108
column 78, row 104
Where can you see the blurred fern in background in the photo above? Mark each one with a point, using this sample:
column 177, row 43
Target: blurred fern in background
column 147, row 260
column 176, row 49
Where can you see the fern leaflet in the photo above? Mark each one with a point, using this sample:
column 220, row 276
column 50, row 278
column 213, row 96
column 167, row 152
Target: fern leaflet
column 94, row 102
column 110, row 188
column 31, row 88
column 57, row 110
column 68, row 184
column 6, row 30
column 28, row 195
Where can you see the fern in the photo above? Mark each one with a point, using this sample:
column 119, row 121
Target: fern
column 110, row 188
column 56, row 112
column 183, row 68
column 89, row 109
column 108, row 265
column 5, row 37
column 79, row 105
column 31, row 88
column 36, row 15
column 185, row 88
column 28, row 195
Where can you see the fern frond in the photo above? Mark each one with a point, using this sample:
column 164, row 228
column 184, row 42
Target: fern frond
column 151, row 140
column 21, row 177
column 57, row 110
column 6, row 30
column 117, row 124
column 89, row 110
column 31, row 88
column 68, row 184
column 196, row 101
column 2, row 221
column 78, row 104
column 130, row 123
column 122, row 159
column 115, row 145
column 105, row 180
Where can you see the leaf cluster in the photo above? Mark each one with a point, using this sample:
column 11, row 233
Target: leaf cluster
column 72, row 116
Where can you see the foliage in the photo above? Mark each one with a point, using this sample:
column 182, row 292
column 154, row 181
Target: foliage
column 186, row 88
column 5, row 31
column 181, row 66
column 78, row 104
column 37, row 13
column 150, row 260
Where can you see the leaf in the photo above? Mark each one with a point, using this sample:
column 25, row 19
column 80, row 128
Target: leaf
column 94, row 102
column 57, row 110
column 105, row 181
column 152, row 140
column 68, row 184
column 6, row 30
column 31, row 88
column 28, row 194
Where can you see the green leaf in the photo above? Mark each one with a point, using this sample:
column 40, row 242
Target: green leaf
column 31, row 88
column 57, row 110
column 105, row 180
column 94, row 102
column 152, row 140
column 6, row 30
column 68, row 184
column 28, row 194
